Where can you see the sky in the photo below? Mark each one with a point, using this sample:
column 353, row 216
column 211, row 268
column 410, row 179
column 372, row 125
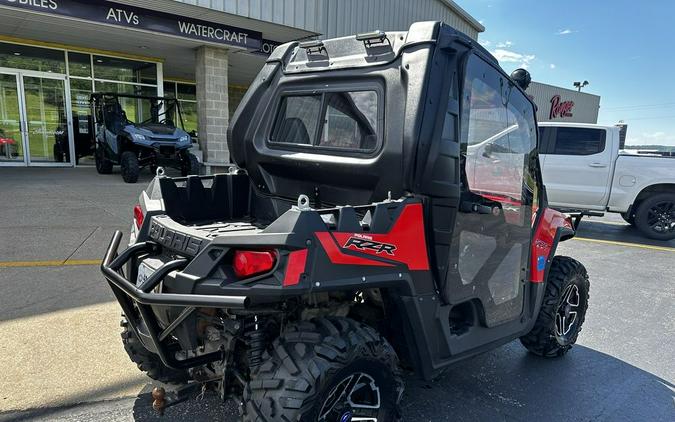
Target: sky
column 624, row 49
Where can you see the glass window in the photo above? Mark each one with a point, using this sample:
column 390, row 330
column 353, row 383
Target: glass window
column 79, row 64
column 578, row 141
column 170, row 89
column 137, row 110
column 32, row 58
column 340, row 120
column 189, row 112
column 350, row 121
column 297, row 120
column 123, row 70
column 499, row 187
column 187, row 92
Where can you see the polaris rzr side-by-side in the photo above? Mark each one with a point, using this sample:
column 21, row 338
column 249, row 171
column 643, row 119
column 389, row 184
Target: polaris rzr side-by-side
column 368, row 229
column 155, row 141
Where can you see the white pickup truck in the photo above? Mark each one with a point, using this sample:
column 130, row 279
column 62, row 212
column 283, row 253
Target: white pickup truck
column 584, row 171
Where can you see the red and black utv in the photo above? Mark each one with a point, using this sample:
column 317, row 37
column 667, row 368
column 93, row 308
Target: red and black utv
column 387, row 212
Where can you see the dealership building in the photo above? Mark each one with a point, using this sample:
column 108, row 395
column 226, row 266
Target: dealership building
column 556, row 104
column 55, row 53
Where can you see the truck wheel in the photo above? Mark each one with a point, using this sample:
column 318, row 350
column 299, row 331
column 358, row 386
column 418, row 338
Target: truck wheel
column 103, row 166
column 655, row 217
column 190, row 165
column 628, row 218
column 562, row 311
column 130, row 168
column 330, row 369
column 147, row 361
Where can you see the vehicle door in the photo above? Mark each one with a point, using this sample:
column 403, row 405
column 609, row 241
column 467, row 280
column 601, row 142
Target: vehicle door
column 577, row 167
column 491, row 239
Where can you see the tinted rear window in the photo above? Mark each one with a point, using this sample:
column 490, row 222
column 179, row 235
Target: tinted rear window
column 333, row 120
column 577, row 141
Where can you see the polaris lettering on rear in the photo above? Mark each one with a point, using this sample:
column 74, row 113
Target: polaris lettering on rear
column 173, row 239
column 364, row 243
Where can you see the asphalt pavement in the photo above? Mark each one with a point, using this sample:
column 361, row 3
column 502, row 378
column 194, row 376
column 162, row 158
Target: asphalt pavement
column 62, row 359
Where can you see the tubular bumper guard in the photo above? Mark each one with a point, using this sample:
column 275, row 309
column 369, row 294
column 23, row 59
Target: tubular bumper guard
column 129, row 294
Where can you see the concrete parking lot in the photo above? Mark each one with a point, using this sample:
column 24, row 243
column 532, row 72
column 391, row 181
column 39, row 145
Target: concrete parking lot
column 62, row 359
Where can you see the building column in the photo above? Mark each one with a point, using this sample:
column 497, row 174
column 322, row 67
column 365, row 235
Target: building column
column 211, row 75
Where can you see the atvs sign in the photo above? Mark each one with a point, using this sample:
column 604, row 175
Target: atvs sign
column 365, row 243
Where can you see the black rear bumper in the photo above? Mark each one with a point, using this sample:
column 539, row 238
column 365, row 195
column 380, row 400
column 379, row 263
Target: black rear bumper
column 137, row 301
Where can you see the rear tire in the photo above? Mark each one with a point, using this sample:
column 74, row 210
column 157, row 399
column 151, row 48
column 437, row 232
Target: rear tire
column 562, row 311
column 103, row 166
column 325, row 370
column 190, row 165
column 147, row 361
column 130, row 167
column 655, row 217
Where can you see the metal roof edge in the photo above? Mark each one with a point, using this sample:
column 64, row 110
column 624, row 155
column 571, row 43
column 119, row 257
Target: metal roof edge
column 464, row 14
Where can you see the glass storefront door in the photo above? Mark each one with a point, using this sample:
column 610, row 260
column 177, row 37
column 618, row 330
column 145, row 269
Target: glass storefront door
column 11, row 135
column 34, row 128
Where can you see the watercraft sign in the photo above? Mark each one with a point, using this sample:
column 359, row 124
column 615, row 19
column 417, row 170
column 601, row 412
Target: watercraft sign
column 102, row 11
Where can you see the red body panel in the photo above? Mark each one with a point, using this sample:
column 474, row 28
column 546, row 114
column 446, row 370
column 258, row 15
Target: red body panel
column 295, row 267
column 404, row 243
column 544, row 238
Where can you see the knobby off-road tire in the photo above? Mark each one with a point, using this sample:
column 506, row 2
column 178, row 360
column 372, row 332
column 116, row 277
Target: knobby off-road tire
column 565, row 301
column 130, row 168
column 312, row 363
column 655, row 216
column 190, row 165
column 146, row 361
column 103, row 166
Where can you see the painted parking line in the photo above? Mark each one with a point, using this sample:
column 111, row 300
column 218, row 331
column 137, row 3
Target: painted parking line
column 54, row 263
column 632, row 245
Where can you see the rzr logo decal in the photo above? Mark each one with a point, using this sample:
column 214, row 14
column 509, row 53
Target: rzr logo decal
column 370, row 245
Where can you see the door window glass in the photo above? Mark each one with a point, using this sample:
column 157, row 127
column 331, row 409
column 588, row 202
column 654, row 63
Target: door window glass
column 11, row 143
column 578, row 141
column 46, row 119
column 499, row 186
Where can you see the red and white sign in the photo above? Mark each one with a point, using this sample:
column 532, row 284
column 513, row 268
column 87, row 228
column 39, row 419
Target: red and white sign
column 560, row 108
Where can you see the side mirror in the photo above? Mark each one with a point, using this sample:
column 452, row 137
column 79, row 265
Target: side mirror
column 522, row 78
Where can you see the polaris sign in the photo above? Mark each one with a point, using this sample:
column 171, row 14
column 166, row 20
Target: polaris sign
column 116, row 14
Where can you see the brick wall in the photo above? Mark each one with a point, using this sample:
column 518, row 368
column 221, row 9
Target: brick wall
column 213, row 103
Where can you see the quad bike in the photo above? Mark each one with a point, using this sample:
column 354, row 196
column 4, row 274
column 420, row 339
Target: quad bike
column 362, row 234
column 154, row 142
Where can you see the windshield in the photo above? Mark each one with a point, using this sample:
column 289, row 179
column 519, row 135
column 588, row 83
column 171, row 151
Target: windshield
column 144, row 110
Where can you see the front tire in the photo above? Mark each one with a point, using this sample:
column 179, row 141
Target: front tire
column 190, row 165
column 330, row 369
column 130, row 167
column 147, row 361
column 103, row 166
column 562, row 311
column 655, row 217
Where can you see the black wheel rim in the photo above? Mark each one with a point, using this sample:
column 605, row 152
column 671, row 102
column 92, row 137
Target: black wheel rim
column 355, row 398
column 567, row 316
column 661, row 217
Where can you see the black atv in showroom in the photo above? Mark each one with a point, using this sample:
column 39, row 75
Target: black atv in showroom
column 155, row 141
column 362, row 233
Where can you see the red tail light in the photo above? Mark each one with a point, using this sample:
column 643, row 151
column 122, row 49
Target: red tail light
column 138, row 216
column 249, row 263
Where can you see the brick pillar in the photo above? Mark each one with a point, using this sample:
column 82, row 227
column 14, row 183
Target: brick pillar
column 212, row 106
